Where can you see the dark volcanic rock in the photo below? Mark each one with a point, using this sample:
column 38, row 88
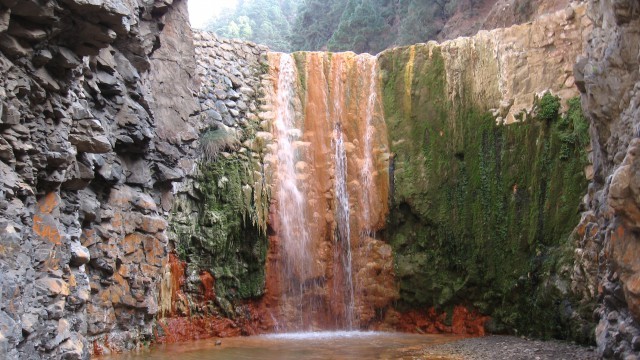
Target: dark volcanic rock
column 79, row 118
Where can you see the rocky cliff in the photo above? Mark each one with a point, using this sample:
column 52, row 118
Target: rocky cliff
column 95, row 105
column 607, row 76
column 477, row 145
column 489, row 172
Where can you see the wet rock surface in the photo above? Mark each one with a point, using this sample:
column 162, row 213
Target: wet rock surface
column 219, row 215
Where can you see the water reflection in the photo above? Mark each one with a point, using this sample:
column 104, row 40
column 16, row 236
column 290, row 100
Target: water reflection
column 298, row 346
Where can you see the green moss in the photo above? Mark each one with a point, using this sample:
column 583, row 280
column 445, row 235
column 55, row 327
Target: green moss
column 226, row 238
column 481, row 213
column 300, row 59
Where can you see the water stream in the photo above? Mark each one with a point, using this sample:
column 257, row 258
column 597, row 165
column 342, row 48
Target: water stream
column 343, row 238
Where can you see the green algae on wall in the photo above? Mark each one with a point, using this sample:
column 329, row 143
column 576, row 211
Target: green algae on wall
column 482, row 213
column 220, row 225
column 225, row 238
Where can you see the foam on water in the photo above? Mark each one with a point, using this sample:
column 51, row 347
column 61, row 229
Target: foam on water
column 326, row 335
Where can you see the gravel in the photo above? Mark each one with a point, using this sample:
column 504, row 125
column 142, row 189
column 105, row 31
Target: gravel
column 509, row 347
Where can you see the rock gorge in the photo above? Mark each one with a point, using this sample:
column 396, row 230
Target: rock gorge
column 164, row 185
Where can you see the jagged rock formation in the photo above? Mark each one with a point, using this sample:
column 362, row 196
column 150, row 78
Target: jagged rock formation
column 471, row 16
column 608, row 77
column 95, row 105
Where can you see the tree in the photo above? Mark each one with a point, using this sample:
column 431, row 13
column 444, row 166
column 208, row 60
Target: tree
column 266, row 22
column 315, row 23
column 361, row 28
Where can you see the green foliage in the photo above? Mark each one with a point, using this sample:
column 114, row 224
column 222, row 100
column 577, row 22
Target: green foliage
column 368, row 25
column 335, row 25
column 315, row 23
column 265, row 22
column 361, row 29
column 481, row 213
column 548, row 107
column 574, row 129
column 213, row 141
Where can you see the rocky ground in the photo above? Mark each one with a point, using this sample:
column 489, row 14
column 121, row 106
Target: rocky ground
column 508, row 347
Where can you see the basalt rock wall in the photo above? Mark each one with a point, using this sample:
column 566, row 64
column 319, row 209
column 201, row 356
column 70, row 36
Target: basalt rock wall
column 219, row 218
column 95, row 99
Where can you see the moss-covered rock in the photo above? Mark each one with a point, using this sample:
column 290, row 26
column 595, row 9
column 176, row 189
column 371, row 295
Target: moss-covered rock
column 483, row 212
column 225, row 238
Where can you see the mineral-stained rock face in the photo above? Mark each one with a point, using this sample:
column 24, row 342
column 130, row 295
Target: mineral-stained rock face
column 87, row 152
column 481, row 211
column 608, row 250
column 331, row 272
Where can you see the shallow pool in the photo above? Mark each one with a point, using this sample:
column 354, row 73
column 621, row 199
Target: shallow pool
column 298, row 346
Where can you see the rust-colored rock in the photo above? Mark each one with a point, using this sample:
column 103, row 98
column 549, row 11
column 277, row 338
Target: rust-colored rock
column 336, row 109
column 462, row 321
column 45, row 223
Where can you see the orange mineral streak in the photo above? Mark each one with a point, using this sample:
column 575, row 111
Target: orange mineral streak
column 45, row 223
column 339, row 91
column 185, row 317
column 207, row 280
column 177, row 281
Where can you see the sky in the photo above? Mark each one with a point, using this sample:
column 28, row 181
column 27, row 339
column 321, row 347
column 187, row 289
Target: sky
column 201, row 11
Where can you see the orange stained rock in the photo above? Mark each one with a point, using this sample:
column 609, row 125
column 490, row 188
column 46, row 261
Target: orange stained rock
column 49, row 203
column 208, row 282
column 338, row 91
column 45, row 224
column 463, row 322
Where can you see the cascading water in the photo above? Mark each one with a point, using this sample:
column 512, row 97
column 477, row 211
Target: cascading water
column 343, row 239
column 368, row 169
column 327, row 270
column 294, row 233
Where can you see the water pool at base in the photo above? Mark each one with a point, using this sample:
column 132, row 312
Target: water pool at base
column 343, row 345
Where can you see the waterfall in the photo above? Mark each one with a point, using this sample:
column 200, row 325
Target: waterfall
column 368, row 168
column 329, row 194
column 343, row 238
column 292, row 215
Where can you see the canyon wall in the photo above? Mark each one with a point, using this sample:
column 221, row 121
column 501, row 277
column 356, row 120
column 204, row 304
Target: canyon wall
column 608, row 77
column 219, row 218
column 95, row 105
